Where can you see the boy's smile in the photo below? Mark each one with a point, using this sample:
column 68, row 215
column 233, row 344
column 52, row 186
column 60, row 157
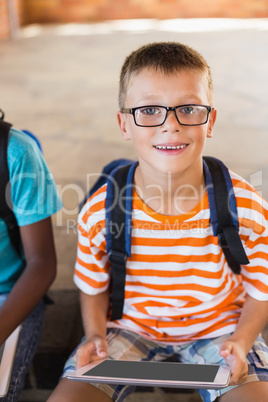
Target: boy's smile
column 170, row 148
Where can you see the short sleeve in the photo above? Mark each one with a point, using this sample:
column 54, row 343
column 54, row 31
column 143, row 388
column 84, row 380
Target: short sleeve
column 34, row 194
column 92, row 267
column 253, row 215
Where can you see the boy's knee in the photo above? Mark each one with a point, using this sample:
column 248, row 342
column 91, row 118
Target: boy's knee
column 69, row 391
column 247, row 392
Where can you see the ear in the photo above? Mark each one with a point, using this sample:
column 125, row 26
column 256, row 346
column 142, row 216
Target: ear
column 122, row 122
column 211, row 122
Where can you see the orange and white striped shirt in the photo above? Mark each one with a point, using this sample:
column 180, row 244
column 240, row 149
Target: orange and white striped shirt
column 179, row 287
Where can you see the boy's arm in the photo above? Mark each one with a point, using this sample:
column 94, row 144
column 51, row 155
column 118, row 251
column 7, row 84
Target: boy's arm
column 253, row 319
column 36, row 278
column 94, row 311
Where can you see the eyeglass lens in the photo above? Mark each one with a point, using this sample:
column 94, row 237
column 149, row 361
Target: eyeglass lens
column 156, row 115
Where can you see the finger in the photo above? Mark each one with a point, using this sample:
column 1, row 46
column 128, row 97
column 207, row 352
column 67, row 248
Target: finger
column 243, row 374
column 82, row 360
column 232, row 362
column 84, row 355
column 239, row 371
column 235, row 380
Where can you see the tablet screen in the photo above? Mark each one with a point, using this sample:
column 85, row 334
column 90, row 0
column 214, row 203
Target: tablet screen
column 154, row 371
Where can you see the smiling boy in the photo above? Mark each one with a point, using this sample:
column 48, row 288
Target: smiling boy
column 154, row 145
column 181, row 297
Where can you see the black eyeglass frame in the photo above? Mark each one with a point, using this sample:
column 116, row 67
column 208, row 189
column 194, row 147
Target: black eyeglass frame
column 168, row 109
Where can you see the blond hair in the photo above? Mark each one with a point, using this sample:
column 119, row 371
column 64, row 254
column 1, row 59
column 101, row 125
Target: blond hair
column 167, row 57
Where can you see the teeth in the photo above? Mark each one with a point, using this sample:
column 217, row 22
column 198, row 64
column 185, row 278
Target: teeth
column 168, row 147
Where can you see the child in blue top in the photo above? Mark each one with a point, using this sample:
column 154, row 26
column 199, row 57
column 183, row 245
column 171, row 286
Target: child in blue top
column 24, row 281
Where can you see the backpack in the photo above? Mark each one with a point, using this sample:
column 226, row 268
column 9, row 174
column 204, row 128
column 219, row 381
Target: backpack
column 223, row 211
column 5, row 195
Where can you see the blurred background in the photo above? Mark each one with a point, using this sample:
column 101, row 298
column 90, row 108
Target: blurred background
column 59, row 70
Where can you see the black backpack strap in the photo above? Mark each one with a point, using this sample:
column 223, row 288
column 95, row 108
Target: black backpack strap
column 103, row 177
column 224, row 212
column 118, row 231
column 6, row 212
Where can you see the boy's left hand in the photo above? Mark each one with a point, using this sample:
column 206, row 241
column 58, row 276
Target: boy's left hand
column 235, row 358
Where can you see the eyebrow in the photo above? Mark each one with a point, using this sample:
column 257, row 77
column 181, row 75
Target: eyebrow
column 154, row 98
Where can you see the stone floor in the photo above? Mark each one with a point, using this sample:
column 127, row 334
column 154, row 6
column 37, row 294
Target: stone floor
column 61, row 82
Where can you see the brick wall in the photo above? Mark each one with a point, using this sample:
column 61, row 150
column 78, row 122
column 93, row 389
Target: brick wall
column 97, row 10
column 49, row 11
column 4, row 20
column 5, row 26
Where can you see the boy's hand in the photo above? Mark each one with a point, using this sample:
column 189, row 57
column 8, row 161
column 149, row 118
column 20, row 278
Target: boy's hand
column 92, row 349
column 235, row 358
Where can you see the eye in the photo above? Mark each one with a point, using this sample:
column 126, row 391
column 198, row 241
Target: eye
column 150, row 111
column 188, row 110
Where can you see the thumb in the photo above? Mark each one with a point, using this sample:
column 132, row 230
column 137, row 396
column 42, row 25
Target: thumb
column 101, row 348
column 226, row 349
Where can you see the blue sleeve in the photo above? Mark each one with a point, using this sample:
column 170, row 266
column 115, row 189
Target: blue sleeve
column 33, row 191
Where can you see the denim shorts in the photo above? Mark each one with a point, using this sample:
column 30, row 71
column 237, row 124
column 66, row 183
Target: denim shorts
column 127, row 345
column 29, row 338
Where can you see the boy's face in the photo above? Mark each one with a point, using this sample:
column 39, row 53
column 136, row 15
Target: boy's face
column 151, row 87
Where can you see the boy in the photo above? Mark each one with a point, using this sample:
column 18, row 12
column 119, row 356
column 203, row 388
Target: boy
column 25, row 279
column 181, row 298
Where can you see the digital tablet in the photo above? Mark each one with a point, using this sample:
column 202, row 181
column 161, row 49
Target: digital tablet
column 159, row 374
column 7, row 354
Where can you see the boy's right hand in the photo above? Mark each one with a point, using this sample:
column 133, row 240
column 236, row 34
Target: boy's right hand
column 92, row 349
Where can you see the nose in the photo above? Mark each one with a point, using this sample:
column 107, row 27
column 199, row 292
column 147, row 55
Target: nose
column 172, row 124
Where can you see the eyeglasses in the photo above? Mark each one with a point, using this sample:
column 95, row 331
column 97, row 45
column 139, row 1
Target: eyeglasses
column 154, row 115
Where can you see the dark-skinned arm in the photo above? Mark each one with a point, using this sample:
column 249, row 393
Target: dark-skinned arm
column 39, row 273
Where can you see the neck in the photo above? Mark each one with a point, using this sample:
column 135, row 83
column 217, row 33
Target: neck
column 170, row 194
